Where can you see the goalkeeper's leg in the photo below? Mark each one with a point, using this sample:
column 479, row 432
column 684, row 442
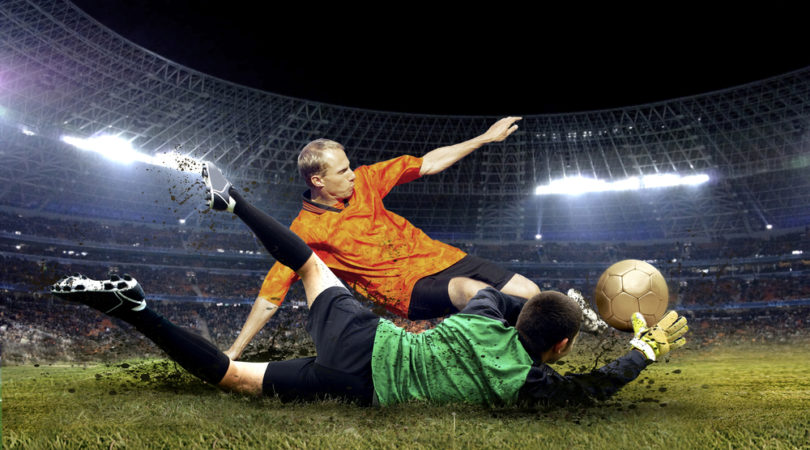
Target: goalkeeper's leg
column 123, row 297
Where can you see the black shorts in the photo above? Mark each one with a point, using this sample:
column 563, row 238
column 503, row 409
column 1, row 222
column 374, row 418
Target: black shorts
column 343, row 331
column 430, row 297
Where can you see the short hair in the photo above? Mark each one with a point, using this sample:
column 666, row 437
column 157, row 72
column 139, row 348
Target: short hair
column 311, row 159
column 546, row 319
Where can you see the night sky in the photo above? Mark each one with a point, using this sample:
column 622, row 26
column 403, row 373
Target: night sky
column 495, row 60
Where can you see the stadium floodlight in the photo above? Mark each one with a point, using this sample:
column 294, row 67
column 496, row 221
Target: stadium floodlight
column 110, row 147
column 580, row 185
column 538, row 236
column 768, row 227
column 661, row 180
column 694, row 180
column 120, row 150
column 670, row 180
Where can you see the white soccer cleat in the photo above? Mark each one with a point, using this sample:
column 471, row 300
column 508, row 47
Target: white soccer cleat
column 216, row 188
column 106, row 296
column 591, row 322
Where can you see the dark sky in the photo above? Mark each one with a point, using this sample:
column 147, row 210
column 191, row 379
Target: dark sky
column 496, row 59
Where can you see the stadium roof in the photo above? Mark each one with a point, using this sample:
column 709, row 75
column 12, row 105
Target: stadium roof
column 527, row 59
column 65, row 74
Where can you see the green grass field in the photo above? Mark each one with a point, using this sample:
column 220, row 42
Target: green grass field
column 725, row 396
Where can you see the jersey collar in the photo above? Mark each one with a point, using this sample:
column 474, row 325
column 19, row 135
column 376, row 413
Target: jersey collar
column 318, row 208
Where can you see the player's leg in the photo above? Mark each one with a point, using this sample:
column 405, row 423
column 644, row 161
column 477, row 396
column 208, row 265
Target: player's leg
column 341, row 328
column 343, row 331
column 520, row 286
column 244, row 377
column 450, row 290
column 123, row 298
column 461, row 290
column 279, row 241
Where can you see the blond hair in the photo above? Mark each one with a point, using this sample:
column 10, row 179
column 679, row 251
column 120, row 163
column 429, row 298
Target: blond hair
column 311, row 160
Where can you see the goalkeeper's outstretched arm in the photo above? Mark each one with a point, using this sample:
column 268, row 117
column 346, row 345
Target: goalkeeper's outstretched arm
column 546, row 386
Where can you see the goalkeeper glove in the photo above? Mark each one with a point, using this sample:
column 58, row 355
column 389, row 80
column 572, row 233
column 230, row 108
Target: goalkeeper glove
column 657, row 341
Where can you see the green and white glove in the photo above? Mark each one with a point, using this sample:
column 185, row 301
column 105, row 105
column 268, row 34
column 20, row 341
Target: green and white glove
column 657, row 341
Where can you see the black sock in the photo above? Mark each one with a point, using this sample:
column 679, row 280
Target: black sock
column 195, row 354
column 283, row 244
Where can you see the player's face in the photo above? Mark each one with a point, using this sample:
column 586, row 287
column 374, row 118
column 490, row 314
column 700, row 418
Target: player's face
column 337, row 180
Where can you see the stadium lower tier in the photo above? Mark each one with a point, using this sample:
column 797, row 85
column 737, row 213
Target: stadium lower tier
column 40, row 329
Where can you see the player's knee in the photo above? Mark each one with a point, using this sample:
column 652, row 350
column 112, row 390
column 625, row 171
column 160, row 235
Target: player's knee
column 244, row 377
column 520, row 286
column 461, row 290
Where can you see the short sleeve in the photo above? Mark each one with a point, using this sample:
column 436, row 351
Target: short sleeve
column 384, row 175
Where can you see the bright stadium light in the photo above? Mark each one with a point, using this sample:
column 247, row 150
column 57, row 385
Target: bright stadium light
column 694, row 180
column 120, row 150
column 628, row 184
column 110, row 147
column 661, row 180
column 580, row 185
column 572, row 186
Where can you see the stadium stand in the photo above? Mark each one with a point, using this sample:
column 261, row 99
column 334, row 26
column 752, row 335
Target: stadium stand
column 735, row 250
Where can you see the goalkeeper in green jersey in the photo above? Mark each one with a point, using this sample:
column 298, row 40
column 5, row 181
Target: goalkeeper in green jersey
column 496, row 351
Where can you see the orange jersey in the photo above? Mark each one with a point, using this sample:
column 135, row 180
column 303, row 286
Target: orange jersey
column 376, row 252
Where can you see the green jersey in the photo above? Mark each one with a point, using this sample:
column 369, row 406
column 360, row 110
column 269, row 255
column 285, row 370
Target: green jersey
column 467, row 358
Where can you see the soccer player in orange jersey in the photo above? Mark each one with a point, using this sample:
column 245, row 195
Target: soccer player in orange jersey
column 379, row 254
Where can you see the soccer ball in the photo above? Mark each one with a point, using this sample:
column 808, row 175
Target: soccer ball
column 631, row 286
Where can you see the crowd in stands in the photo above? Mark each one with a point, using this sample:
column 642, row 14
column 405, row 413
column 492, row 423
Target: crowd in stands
column 716, row 250
column 211, row 291
column 41, row 328
column 126, row 234
column 194, row 239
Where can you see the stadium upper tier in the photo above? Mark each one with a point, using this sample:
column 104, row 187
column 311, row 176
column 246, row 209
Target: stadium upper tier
column 64, row 74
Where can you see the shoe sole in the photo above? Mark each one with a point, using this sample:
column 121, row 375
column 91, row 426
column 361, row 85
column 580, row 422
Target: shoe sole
column 103, row 295
column 211, row 193
column 591, row 321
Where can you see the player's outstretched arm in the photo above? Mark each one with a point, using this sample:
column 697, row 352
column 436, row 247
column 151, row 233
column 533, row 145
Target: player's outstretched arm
column 545, row 386
column 441, row 158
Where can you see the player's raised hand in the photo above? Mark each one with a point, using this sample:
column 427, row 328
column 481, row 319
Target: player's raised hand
column 501, row 129
column 659, row 340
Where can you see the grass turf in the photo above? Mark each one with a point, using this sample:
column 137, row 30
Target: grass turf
column 726, row 396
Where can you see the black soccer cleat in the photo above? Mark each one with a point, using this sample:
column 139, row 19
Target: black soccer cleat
column 216, row 188
column 591, row 322
column 106, row 296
